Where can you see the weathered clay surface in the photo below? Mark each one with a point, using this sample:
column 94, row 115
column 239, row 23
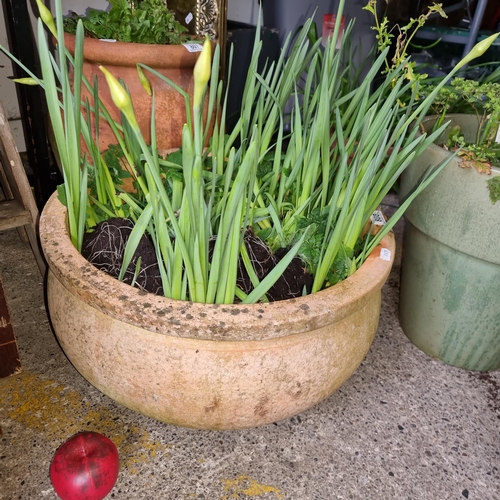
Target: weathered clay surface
column 173, row 61
column 208, row 366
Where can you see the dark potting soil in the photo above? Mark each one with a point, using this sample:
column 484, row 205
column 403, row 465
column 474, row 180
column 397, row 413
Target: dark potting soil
column 288, row 286
column 104, row 248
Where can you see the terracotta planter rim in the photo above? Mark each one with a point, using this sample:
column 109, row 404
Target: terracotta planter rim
column 129, row 54
column 219, row 322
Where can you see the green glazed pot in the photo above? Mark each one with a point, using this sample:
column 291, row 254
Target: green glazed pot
column 450, row 275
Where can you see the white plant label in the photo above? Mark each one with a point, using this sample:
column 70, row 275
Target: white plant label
column 193, row 47
column 385, row 254
column 378, row 218
column 110, row 40
column 497, row 139
column 189, row 18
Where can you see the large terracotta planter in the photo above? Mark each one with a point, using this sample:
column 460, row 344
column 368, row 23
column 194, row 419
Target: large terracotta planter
column 208, row 366
column 450, row 273
column 120, row 58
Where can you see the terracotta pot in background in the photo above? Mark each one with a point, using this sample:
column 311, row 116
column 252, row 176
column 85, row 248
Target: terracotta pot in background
column 120, row 58
column 208, row 366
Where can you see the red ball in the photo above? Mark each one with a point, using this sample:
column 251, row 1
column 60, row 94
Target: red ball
column 85, row 467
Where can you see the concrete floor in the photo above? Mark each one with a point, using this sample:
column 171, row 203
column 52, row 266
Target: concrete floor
column 402, row 427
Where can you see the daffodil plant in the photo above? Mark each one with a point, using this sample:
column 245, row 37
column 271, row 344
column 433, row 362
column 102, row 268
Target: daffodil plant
column 71, row 125
column 308, row 185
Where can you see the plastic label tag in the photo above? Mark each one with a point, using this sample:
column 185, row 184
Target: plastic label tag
column 385, row 254
column 193, row 47
column 111, row 40
column 378, row 218
column 189, row 18
column 497, row 139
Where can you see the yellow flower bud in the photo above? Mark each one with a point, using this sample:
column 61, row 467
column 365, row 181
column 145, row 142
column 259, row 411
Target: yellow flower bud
column 201, row 71
column 120, row 97
column 478, row 50
column 46, row 17
column 25, row 81
column 144, row 81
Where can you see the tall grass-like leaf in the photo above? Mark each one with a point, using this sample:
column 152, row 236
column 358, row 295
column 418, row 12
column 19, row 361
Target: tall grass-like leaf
column 402, row 208
column 263, row 287
column 346, row 145
column 135, row 237
column 65, row 135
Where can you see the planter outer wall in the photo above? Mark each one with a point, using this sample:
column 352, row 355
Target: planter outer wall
column 208, row 366
column 450, row 274
column 120, row 58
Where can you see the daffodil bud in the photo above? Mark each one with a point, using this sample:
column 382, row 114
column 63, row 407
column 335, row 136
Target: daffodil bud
column 478, row 50
column 46, row 17
column 120, row 97
column 201, row 71
column 25, row 81
column 144, row 80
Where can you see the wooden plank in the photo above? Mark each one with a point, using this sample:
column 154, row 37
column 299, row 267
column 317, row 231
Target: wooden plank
column 9, row 355
column 22, row 213
column 14, row 168
column 4, row 181
column 13, row 214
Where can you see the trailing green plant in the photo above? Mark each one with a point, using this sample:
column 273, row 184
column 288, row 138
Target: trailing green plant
column 139, row 21
column 402, row 40
column 481, row 99
column 494, row 189
column 471, row 97
column 460, row 95
column 306, row 192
